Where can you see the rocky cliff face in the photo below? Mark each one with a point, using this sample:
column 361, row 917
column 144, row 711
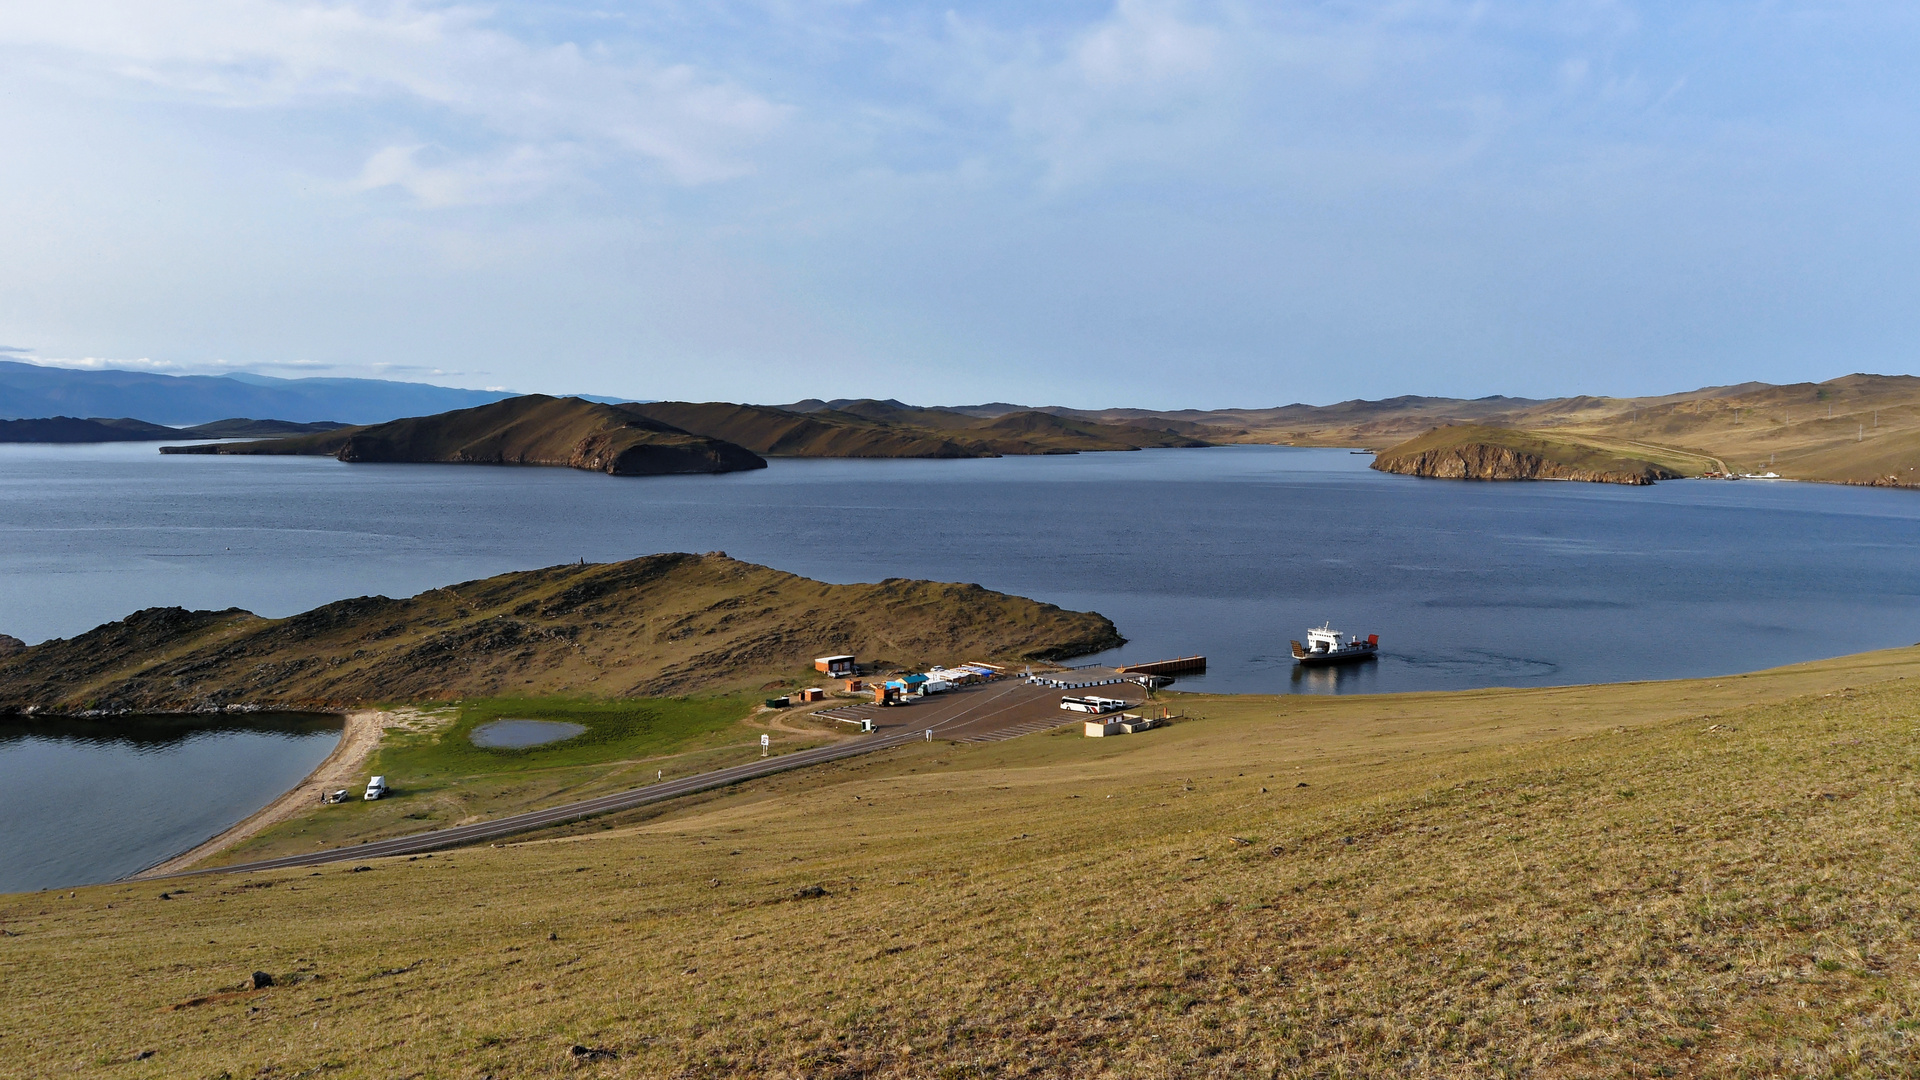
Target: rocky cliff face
column 1489, row 461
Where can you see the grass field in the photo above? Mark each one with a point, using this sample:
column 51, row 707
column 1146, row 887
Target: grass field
column 441, row 778
column 1708, row 878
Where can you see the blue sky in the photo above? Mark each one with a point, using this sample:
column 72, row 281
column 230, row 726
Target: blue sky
column 1168, row 204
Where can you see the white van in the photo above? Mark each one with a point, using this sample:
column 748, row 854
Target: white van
column 376, row 787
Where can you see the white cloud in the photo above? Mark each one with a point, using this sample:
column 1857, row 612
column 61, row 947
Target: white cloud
column 531, row 101
column 466, row 181
column 292, row 368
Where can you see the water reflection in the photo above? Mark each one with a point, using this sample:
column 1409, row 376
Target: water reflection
column 92, row 799
column 1357, row 677
column 156, row 732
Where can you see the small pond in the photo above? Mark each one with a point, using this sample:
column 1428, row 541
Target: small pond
column 515, row 734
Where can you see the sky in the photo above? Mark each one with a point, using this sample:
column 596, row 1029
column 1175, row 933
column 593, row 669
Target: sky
column 1089, row 204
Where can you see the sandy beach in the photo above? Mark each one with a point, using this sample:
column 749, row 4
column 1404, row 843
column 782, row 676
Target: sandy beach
column 340, row 769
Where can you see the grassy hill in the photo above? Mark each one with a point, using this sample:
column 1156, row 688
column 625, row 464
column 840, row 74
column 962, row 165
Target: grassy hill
column 1710, row 878
column 1478, row 452
column 530, row 430
column 1858, row 429
column 870, row 428
column 665, row 624
column 780, row 433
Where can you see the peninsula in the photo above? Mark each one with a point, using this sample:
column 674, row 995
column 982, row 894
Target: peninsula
column 530, row 430
column 1479, row 452
column 639, row 438
column 663, row 624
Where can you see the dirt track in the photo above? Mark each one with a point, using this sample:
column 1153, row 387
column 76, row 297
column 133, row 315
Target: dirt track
column 341, row 769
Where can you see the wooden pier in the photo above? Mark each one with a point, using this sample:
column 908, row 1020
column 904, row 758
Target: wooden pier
column 1185, row 665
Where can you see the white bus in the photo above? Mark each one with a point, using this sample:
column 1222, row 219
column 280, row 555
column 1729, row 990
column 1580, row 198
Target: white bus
column 1092, row 704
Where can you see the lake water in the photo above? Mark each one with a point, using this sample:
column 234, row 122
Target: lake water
column 1229, row 552
column 93, row 800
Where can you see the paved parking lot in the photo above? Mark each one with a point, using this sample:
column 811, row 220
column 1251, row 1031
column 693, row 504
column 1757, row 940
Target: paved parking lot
column 985, row 713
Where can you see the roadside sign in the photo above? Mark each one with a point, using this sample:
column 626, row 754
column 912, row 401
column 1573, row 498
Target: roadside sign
column 765, row 741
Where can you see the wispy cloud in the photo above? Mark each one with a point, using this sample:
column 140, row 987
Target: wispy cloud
column 514, row 110
column 294, row 368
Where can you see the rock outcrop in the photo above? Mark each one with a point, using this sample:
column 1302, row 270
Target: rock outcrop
column 1472, row 452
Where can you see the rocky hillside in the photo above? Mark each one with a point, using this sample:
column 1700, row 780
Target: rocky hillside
column 1476, row 452
column 664, row 624
column 783, row 433
column 530, row 430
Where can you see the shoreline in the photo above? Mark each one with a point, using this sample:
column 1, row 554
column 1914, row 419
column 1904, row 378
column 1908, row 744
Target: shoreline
column 358, row 740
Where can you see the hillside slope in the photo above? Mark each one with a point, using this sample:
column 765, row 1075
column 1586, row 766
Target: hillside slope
column 663, row 624
column 869, row 428
column 530, row 430
column 1711, row 878
column 780, row 433
column 1478, row 452
column 1857, row 429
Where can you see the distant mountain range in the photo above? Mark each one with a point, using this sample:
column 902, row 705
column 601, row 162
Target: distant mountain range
column 73, row 429
column 29, row 390
column 1858, row 429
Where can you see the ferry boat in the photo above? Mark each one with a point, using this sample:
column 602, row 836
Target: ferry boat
column 1324, row 646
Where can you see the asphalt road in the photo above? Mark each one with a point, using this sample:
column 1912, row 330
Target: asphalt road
column 967, row 713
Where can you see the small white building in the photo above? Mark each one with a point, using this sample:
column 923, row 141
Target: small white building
column 839, row 667
column 1100, row 729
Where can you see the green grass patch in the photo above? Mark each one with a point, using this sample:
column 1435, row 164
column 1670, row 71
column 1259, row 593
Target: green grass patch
column 438, row 777
column 615, row 731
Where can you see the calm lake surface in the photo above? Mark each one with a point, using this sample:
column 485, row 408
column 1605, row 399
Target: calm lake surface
column 1228, row 552
column 93, row 800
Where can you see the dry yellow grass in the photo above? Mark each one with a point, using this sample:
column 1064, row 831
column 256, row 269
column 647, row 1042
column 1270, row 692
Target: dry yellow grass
column 1712, row 878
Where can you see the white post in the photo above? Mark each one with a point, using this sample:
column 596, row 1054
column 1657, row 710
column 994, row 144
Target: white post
column 765, row 741
column 929, row 734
